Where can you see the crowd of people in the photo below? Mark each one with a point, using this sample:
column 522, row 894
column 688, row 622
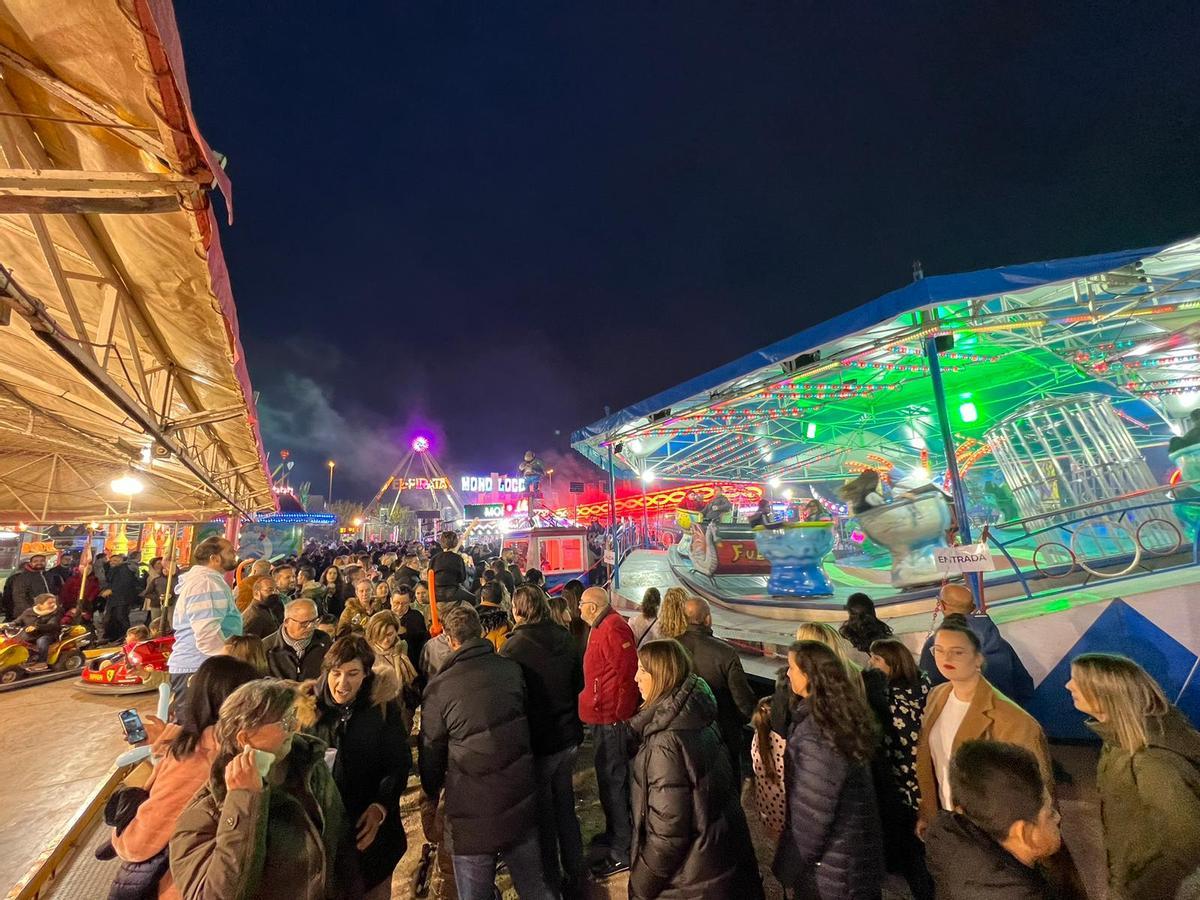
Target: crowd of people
column 300, row 694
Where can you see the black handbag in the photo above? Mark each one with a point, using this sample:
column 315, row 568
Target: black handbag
column 134, row 880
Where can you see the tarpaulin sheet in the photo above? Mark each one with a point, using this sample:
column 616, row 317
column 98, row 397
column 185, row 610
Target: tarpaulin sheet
column 125, row 56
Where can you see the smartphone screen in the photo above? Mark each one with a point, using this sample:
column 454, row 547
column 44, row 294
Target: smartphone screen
column 132, row 723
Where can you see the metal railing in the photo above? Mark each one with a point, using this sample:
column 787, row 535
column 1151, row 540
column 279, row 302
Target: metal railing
column 1110, row 543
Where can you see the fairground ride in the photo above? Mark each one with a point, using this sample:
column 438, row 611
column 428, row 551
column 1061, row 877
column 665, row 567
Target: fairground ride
column 1050, row 402
column 421, row 472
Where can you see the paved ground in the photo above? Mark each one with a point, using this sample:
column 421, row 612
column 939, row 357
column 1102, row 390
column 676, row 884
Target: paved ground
column 57, row 744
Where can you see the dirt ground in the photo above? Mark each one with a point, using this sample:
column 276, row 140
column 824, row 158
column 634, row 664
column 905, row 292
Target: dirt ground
column 1075, row 791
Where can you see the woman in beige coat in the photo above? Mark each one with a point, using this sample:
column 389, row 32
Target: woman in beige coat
column 966, row 708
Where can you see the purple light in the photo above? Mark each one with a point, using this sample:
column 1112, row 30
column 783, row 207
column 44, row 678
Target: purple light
column 420, row 443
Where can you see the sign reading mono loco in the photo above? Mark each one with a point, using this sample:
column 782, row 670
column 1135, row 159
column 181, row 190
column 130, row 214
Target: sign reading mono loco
column 487, row 484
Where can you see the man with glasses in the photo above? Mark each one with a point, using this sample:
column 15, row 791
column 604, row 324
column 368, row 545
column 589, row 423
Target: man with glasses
column 296, row 650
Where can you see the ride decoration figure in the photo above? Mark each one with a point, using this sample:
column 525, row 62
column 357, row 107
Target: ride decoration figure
column 533, row 469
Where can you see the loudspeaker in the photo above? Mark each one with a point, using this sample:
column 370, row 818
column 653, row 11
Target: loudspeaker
column 944, row 342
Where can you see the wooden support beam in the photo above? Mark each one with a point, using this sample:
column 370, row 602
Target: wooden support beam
column 60, row 191
column 102, row 115
column 63, row 205
column 60, row 280
column 88, row 183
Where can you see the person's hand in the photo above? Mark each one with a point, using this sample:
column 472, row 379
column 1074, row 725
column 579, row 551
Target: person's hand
column 241, row 773
column 368, row 826
column 154, row 727
column 922, row 827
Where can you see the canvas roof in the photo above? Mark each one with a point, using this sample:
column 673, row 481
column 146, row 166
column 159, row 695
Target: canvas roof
column 122, row 352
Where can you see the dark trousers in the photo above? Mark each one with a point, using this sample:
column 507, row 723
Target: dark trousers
column 116, row 621
column 557, row 822
column 612, row 778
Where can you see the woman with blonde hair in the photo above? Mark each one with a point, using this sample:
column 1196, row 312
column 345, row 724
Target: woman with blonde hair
column 827, row 633
column 394, row 671
column 671, row 619
column 683, row 848
column 249, row 649
column 1148, row 776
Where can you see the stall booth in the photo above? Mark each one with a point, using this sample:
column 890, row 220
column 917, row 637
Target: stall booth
column 560, row 553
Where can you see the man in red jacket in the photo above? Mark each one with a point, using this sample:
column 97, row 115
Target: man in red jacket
column 609, row 697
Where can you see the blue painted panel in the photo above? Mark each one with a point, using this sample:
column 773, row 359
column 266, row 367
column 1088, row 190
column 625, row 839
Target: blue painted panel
column 1119, row 629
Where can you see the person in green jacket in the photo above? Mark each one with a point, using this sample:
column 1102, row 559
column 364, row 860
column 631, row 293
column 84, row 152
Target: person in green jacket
column 1148, row 776
column 270, row 822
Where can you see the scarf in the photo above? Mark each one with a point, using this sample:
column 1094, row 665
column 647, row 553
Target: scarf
column 298, row 646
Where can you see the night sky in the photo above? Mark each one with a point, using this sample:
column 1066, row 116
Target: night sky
column 495, row 219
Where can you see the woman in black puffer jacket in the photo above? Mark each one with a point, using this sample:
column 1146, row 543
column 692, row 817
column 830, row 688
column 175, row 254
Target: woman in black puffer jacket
column 832, row 846
column 690, row 837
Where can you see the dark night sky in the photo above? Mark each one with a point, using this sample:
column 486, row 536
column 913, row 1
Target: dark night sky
column 500, row 217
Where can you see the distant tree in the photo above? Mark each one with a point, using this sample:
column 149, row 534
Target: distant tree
column 347, row 511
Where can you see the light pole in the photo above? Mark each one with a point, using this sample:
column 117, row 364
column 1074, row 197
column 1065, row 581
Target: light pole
column 331, row 464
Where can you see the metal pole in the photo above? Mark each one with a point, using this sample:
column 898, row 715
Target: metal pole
column 612, row 518
column 330, row 500
column 960, row 499
column 645, row 514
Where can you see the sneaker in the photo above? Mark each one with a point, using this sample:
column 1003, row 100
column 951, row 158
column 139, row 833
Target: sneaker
column 608, row 867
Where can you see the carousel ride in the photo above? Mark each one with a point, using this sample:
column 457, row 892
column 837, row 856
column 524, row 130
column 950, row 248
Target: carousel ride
column 1030, row 407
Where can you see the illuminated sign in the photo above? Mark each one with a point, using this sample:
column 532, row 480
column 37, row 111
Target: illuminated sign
column 423, row 484
column 667, row 500
column 486, row 510
column 488, row 484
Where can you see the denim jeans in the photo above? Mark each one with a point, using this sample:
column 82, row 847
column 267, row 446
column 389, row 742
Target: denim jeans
column 179, row 686
column 557, row 821
column 612, row 778
column 476, row 874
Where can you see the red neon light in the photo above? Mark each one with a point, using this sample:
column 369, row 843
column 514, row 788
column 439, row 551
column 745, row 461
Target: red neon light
column 667, row 500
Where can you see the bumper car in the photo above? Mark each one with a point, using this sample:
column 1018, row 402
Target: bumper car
column 134, row 669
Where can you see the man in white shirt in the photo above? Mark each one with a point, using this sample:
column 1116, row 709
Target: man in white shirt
column 205, row 614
